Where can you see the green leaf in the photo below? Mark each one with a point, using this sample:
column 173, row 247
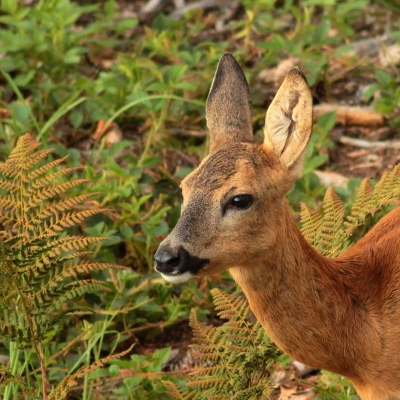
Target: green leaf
column 327, row 121
column 370, row 91
column 174, row 72
column 20, row 112
column 9, row 6
column 76, row 118
column 349, row 6
column 183, row 172
column 109, row 7
column 383, row 105
column 316, row 162
column 24, row 80
column 126, row 24
column 160, row 357
column 384, row 78
column 126, row 231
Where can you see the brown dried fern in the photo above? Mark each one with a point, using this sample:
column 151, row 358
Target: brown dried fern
column 70, row 381
column 39, row 262
column 236, row 355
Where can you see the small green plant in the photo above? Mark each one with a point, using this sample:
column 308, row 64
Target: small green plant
column 143, row 376
column 334, row 387
column 237, row 355
column 388, row 100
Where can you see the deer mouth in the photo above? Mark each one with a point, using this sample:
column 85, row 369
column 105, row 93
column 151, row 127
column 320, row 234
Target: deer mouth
column 177, row 265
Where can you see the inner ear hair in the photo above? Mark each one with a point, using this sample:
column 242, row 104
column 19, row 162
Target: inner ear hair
column 288, row 123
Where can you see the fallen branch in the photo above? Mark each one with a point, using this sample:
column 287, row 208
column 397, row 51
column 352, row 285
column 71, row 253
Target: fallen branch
column 365, row 144
column 348, row 115
column 329, row 178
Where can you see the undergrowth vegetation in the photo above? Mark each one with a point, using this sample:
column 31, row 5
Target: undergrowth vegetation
column 119, row 96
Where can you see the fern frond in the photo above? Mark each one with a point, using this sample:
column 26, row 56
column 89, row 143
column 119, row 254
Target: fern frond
column 39, row 262
column 34, row 174
column 48, row 191
column 65, row 244
column 9, row 186
column 229, row 306
column 61, row 392
column 311, row 224
column 78, row 289
column 8, row 377
column 174, row 392
column 87, row 267
column 236, row 310
column 208, row 339
column 60, row 206
column 60, row 271
column 210, row 382
column 21, row 161
column 233, row 356
column 361, row 207
column 59, row 222
column 330, row 236
column 40, row 185
column 388, row 188
column 332, row 232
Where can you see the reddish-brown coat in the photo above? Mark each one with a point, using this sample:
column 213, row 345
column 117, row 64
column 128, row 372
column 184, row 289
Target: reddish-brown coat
column 339, row 314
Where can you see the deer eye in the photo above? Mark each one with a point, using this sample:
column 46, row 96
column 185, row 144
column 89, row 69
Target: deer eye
column 242, row 201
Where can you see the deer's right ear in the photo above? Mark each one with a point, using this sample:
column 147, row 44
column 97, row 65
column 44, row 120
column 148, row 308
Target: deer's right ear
column 229, row 110
column 288, row 124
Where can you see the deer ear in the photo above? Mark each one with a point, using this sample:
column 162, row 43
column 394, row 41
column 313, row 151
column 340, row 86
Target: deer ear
column 229, row 111
column 288, row 124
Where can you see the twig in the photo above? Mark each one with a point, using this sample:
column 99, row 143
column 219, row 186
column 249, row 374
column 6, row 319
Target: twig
column 365, row 144
column 349, row 115
column 180, row 12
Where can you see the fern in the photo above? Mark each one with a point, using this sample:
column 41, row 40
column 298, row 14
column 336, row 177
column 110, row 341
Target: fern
column 70, row 381
column 236, row 354
column 40, row 263
column 333, row 230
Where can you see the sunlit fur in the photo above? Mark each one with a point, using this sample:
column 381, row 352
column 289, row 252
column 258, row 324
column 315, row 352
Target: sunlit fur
column 339, row 314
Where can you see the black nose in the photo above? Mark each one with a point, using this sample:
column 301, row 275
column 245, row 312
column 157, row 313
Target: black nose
column 175, row 261
column 169, row 260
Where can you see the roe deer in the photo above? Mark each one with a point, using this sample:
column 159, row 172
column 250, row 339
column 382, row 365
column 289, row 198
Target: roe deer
column 340, row 314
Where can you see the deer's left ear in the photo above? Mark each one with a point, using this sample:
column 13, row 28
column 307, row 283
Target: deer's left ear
column 288, row 124
column 229, row 110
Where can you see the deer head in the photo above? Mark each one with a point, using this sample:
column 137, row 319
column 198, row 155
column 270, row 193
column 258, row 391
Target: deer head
column 232, row 201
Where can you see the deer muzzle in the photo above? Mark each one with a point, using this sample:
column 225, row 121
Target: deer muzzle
column 177, row 264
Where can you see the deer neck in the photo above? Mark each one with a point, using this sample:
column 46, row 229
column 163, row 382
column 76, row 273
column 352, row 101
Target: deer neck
column 302, row 302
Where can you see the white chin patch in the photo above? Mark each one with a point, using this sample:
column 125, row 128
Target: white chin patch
column 178, row 278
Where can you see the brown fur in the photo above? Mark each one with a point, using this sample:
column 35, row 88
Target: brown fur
column 339, row 314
